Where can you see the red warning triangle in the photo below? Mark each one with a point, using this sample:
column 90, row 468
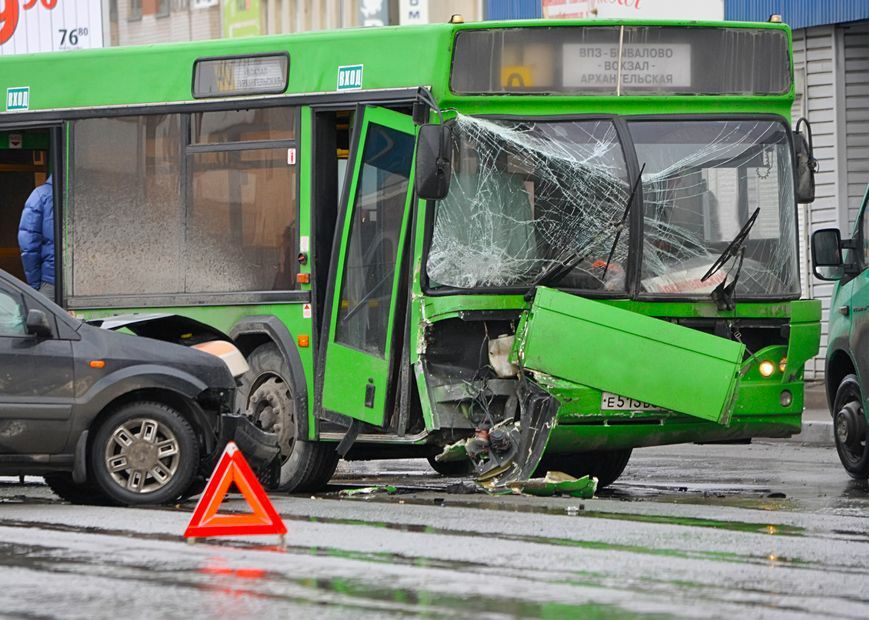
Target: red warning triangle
column 263, row 519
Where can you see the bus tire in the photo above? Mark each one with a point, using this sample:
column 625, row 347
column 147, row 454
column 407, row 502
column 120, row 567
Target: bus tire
column 452, row 469
column 605, row 466
column 266, row 397
column 850, row 429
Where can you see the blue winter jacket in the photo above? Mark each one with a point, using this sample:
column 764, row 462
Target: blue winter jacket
column 36, row 236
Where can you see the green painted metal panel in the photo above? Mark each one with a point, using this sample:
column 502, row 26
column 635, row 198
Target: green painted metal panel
column 394, row 57
column 348, row 372
column 636, row 356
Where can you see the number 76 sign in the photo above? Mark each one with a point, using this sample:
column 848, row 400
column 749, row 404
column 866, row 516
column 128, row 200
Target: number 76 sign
column 29, row 26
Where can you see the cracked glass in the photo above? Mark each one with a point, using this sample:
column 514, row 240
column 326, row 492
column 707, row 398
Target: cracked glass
column 525, row 195
column 702, row 181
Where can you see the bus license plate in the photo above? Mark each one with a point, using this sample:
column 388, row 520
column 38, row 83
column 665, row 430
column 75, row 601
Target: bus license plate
column 614, row 402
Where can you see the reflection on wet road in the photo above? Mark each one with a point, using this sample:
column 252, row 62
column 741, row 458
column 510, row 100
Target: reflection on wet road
column 766, row 530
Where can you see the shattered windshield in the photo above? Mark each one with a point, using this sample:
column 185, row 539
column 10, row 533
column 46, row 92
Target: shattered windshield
column 525, row 195
column 702, row 181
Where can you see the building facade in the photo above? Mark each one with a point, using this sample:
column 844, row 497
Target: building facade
column 831, row 74
column 137, row 22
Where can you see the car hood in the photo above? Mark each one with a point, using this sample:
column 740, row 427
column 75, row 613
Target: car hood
column 121, row 350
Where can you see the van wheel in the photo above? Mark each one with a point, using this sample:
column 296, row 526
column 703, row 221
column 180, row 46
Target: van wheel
column 63, row 486
column 850, row 428
column 266, row 396
column 605, row 466
column 452, row 469
column 144, row 453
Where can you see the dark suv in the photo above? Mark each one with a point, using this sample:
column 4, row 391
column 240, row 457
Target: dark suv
column 847, row 368
column 109, row 416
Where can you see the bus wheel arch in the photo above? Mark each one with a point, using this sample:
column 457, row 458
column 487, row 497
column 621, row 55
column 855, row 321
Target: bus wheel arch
column 274, row 393
column 256, row 331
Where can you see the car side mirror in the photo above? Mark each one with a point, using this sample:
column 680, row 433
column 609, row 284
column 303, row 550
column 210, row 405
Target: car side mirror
column 433, row 161
column 37, row 323
column 827, row 262
column 806, row 163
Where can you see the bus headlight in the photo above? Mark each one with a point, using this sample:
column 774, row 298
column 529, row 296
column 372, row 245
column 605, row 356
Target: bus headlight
column 766, row 368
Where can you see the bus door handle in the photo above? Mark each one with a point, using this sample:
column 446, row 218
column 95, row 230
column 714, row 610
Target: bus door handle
column 845, row 310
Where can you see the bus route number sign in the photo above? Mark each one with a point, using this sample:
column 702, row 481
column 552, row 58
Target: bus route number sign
column 241, row 75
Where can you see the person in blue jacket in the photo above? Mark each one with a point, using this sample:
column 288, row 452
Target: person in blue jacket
column 36, row 239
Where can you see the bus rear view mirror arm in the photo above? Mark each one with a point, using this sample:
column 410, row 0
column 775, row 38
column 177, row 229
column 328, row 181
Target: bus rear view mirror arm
column 807, row 165
column 433, row 162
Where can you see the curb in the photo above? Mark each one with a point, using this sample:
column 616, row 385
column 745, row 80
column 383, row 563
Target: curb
column 814, row 433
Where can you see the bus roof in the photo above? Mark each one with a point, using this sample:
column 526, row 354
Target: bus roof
column 395, row 57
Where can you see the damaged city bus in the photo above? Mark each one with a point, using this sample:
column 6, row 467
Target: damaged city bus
column 504, row 247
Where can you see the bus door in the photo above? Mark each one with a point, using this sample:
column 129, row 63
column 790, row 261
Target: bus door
column 24, row 164
column 365, row 291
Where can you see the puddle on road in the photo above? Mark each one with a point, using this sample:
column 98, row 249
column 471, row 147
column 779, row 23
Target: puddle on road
column 355, row 595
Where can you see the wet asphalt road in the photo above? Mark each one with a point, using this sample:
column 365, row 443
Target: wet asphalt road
column 767, row 530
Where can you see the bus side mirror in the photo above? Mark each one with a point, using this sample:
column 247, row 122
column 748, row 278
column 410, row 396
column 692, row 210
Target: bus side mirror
column 433, row 161
column 827, row 261
column 806, row 163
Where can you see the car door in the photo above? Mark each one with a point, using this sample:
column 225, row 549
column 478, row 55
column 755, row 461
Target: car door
column 36, row 380
column 857, row 293
column 365, row 276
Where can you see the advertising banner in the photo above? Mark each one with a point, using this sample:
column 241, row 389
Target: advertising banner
column 241, row 18
column 633, row 9
column 413, row 12
column 30, row 26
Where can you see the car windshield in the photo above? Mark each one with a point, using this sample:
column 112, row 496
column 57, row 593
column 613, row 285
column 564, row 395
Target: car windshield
column 525, row 195
column 701, row 183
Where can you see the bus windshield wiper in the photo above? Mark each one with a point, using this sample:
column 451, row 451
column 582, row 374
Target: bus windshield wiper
column 622, row 223
column 723, row 294
column 561, row 268
column 732, row 247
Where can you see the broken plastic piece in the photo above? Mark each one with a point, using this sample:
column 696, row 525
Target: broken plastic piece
column 556, row 483
column 384, row 489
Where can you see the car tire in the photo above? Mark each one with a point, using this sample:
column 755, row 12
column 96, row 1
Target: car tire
column 144, row 453
column 62, row 485
column 605, row 466
column 266, row 397
column 452, row 469
column 850, row 430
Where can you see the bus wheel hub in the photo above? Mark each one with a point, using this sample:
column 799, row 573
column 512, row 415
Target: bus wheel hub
column 271, row 408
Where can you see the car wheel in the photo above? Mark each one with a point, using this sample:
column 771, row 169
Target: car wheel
column 64, row 487
column 266, row 397
column 452, row 469
column 144, row 453
column 605, row 466
column 850, row 428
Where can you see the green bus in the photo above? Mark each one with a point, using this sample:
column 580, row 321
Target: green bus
column 506, row 247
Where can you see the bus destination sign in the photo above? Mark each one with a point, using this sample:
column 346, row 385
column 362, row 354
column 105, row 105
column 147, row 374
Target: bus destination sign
column 654, row 66
column 248, row 75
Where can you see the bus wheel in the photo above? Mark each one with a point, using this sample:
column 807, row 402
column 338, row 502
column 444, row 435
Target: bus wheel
column 850, row 429
column 452, row 469
column 605, row 466
column 266, row 396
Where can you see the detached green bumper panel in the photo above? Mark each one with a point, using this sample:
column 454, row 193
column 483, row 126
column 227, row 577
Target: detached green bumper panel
column 618, row 351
